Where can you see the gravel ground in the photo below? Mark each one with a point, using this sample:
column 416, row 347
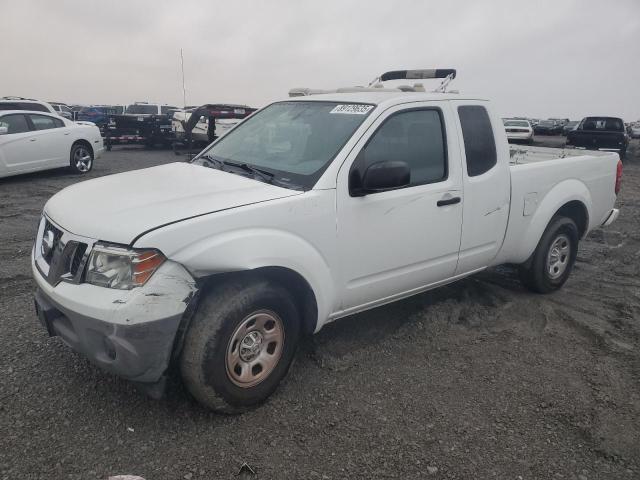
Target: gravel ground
column 480, row 379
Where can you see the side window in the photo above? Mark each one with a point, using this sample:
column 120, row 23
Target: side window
column 416, row 137
column 9, row 106
column 42, row 122
column 33, row 106
column 479, row 143
column 14, row 123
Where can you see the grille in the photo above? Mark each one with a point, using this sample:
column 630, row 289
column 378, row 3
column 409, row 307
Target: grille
column 57, row 235
column 65, row 259
column 77, row 258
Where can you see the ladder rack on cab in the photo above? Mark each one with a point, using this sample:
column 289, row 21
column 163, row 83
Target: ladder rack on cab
column 376, row 85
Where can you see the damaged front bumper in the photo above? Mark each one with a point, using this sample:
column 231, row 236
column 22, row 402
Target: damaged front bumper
column 131, row 333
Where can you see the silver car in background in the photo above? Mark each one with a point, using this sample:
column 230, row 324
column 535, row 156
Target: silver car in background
column 518, row 130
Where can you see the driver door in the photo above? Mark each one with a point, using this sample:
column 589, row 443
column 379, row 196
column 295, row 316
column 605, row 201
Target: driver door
column 18, row 149
column 398, row 242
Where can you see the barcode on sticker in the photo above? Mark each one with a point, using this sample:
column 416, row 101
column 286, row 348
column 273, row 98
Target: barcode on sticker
column 353, row 109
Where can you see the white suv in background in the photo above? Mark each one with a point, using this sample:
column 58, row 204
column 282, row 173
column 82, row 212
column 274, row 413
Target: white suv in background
column 19, row 103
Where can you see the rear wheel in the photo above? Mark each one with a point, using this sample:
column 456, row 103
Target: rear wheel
column 81, row 158
column 240, row 345
column 552, row 261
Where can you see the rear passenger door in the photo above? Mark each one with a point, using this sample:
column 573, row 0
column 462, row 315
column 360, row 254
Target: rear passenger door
column 397, row 242
column 52, row 140
column 487, row 184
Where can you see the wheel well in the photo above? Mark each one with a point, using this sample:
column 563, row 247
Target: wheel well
column 294, row 282
column 576, row 211
column 83, row 142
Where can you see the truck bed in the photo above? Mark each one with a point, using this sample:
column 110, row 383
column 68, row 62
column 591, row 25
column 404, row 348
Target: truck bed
column 521, row 154
column 538, row 176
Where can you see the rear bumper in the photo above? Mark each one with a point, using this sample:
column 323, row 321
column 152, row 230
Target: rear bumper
column 519, row 135
column 98, row 150
column 612, row 217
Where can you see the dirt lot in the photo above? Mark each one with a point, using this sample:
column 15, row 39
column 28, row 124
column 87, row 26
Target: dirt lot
column 480, row 379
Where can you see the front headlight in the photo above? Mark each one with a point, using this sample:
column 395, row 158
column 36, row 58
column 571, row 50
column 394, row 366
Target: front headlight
column 120, row 267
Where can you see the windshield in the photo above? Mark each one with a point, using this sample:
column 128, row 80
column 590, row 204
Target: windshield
column 294, row 141
column 547, row 123
column 142, row 109
column 516, row 123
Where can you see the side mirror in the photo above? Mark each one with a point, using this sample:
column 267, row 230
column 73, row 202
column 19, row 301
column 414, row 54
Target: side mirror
column 4, row 130
column 382, row 176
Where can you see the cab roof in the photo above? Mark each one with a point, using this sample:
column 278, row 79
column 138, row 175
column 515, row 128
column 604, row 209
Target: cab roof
column 38, row 112
column 383, row 97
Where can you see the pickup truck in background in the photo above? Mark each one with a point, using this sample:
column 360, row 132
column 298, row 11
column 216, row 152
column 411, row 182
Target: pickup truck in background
column 600, row 133
column 312, row 209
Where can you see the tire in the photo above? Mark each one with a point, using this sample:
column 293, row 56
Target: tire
column 81, row 158
column 552, row 261
column 215, row 369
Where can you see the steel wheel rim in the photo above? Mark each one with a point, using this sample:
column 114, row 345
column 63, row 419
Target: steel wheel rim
column 255, row 348
column 82, row 159
column 558, row 256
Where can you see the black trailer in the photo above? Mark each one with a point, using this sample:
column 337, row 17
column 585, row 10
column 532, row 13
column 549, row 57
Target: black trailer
column 140, row 124
column 184, row 135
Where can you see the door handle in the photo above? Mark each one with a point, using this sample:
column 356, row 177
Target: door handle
column 448, row 201
column 32, row 139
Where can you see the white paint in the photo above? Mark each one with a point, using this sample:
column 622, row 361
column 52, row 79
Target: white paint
column 355, row 252
column 44, row 149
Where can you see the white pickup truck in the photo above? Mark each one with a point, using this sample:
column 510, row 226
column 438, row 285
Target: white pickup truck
column 312, row 209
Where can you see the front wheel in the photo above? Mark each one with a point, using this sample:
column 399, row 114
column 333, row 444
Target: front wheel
column 240, row 345
column 81, row 160
column 552, row 261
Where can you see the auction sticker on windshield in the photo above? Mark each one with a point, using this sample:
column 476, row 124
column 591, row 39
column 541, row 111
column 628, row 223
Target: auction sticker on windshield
column 352, row 109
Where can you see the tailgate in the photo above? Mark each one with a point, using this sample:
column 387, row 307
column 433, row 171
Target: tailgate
column 595, row 139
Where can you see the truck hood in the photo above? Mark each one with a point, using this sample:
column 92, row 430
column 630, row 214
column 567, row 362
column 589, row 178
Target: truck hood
column 118, row 208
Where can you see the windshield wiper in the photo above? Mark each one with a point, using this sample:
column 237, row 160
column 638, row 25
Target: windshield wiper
column 213, row 161
column 263, row 174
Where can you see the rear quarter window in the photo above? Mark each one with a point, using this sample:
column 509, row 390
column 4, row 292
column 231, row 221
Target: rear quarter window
column 479, row 143
column 42, row 122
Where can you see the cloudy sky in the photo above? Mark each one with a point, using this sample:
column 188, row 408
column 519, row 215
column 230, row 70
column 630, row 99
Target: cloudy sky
column 559, row 58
